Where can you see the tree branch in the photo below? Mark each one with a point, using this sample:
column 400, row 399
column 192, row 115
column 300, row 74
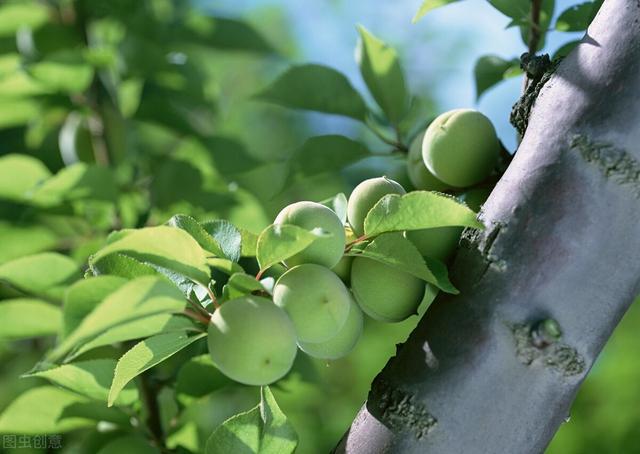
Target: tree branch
column 496, row 368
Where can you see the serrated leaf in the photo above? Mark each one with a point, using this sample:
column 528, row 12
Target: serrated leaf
column 227, row 236
column 278, row 435
column 46, row 274
column 240, row 284
column 89, row 378
column 577, row 17
column 490, row 70
column 23, row 318
column 137, row 329
column 380, row 68
column 82, row 298
column 197, row 378
column 15, row 15
column 263, row 429
column 329, row 153
column 19, row 173
column 395, row 250
column 20, row 240
column 139, row 298
column 418, row 210
column 197, row 231
column 338, row 204
column 145, row 355
column 428, row 5
column 318, row 88
column 167, row 247
column 51, row 403
column 123, row 266
column 277, row 243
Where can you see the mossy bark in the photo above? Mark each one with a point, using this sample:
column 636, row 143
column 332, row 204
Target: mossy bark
column 560, row 251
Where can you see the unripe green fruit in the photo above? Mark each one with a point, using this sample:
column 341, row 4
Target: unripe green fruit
column 365, row 196
column 316, row 300
column 383, row 292
column 343, row 342
column 439, row 243
column 343, row 269
column 252, row 341
column 310, row 215
column 460, row 147
column 475, row 198
column 419, row 175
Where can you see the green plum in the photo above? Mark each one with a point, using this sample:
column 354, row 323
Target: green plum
column 365, row 196
column 475, row 198
column 343, row 268
column 343, row 342
column 252, row 341
column 460, row 147
column 419, row 175
column 316, row 300
column 310, row 215
column 383, row 292
column 438, row 243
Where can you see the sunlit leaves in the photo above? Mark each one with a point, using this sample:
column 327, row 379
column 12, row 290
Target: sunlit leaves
column 277, row 243
column 491, row 69
column 318, row 88
column 428, row 5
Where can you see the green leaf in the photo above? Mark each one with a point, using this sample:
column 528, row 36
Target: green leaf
column 277, row 243
column 577, row 17
column 227, row 236
column 65, row 71
column 338, row 204
column 46, row 274
column 518, row 10
column 322, row 154
column 546, row 13
column 395, row 250
column 263, row 429
column 145, row 355
column 20, row 173
column 240, row 284
column 197, row 231
column 223, row 33
column 20, row 240
column 15, row 15
column 316, row 87
column 197, row 378
column 278, row 436
column 491, row 69
column 76, row 182
column 128, row 444
column 418, row 210
column 136, row 329
column 25, row 317
column 239, row 434
column 225, row 265
column 52, row 405
column 17, row 112
column 136, row 299
column 164, row 246
column 123, row 266
column 565, row 49
column 381, row 71
column 428, row 5
column 249, row 243
column 89, row 378
column 83, row 296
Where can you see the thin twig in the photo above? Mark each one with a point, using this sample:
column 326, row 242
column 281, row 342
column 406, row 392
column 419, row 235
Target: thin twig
column 535, row 35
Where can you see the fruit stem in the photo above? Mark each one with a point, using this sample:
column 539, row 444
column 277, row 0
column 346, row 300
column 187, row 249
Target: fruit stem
column 214, row 300
column 260, row 273
column 360, row 239
column 196, row 316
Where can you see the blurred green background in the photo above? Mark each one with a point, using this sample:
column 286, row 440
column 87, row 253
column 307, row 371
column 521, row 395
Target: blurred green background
column 155, row 98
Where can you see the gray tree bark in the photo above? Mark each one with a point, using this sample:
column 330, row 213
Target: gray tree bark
column 496, row 368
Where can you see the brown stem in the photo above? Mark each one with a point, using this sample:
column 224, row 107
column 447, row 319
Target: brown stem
column 534, row 37
column 153, row 422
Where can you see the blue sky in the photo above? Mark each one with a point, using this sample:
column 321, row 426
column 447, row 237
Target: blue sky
column 438, row 53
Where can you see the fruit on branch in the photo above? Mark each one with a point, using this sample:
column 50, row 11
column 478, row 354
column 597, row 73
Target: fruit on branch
column 311, row 215
column 343, row 268
column 252, row 341
column 383, row 292
column 439, row 243
column 365, row 196
column 315, row 299
column 460, row 147
column 420, row 176
column 343, row 342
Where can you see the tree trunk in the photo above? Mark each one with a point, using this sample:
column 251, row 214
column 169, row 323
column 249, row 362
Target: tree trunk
column 496, row 368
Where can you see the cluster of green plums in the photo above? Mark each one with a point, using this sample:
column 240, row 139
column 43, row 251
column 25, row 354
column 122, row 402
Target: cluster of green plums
column 318, row 303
